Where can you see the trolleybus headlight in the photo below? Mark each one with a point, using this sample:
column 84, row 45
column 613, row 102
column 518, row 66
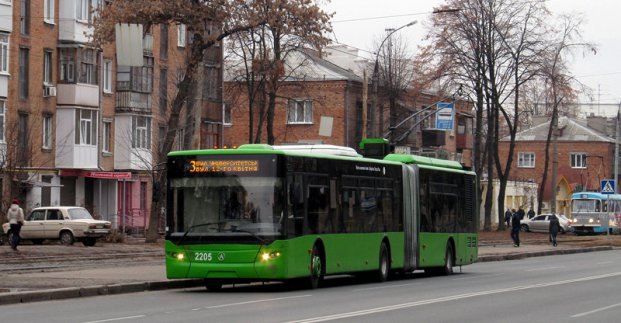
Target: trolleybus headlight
column 179, row 255
column 270, row 255
column 590, row 220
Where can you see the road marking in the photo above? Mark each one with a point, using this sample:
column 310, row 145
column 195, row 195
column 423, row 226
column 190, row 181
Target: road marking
column 543, row 268
column 384, row 286
column 118, row 319
column 479, row 276
column 253, row 302
column 604, row 263
column 449, row 298
column 597, row 310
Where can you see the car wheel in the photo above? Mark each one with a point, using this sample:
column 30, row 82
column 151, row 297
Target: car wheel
column 89, row 242
column 524, row 228
column 66, row 238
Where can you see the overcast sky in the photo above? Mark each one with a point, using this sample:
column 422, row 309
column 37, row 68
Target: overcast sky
column 359, row 23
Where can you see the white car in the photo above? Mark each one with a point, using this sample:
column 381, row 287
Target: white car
column 64, row 223
column 541, row 223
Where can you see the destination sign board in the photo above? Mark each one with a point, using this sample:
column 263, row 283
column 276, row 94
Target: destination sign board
column 223, row 166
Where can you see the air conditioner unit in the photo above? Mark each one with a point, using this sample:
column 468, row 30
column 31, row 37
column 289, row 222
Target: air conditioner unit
column 49, row 91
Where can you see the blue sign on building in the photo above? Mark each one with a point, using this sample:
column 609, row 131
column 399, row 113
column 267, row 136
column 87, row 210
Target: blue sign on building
column 444, row 116
column 608, row 186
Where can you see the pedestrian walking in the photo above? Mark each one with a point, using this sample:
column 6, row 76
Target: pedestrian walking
column 515, row 228
column 554, row 229
column 521, row 213
column 15, row 216
column 508, row 218
column 530, row 214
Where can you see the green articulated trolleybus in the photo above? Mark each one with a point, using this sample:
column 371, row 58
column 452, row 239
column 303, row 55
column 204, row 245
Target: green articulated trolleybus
column 299, row 213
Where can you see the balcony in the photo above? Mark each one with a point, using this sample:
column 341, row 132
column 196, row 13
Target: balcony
column 6, row 12
column 70, row 154
column 78, row 94
column 127, row 101
column 70, row 28
column 125, row 156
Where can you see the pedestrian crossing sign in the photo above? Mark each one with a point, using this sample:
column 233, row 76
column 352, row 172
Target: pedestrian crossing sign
column 608, row 186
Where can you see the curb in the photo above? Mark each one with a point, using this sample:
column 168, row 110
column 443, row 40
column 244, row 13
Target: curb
column 75, row 292
column 514, row 256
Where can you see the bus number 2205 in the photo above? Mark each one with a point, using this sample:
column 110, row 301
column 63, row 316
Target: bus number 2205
column 208, row 256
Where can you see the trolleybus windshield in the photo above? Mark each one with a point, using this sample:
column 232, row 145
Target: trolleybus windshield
column 236, row 205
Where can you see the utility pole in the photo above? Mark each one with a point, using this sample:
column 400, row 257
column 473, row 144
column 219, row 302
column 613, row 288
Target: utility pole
column 616, row 161
column 376, row 75
column 554, row 160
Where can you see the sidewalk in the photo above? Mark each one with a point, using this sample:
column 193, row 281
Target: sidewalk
column 147, row 277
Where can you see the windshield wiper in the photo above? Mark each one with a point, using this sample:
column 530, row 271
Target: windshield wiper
column 198, row 226
column 256, row 236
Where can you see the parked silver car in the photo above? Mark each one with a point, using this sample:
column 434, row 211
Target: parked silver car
column 64, row 223
column 541, row 223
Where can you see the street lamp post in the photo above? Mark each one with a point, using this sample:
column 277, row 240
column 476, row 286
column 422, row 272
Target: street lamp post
column 376, row 76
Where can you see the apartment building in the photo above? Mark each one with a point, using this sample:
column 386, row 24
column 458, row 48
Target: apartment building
column 77, row 129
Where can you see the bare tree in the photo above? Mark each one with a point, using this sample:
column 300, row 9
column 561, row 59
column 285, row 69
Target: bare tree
column 396, row 73
column 297, row 17
column 495, row 47
column 560, row 84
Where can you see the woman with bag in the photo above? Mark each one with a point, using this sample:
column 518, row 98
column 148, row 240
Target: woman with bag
column 15, row 216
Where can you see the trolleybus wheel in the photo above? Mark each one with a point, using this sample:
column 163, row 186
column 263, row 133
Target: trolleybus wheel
column 213, row 285
column 316, row 268
column 384, row 264
column 448, row 260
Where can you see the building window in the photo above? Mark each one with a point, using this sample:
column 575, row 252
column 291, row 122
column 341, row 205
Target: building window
column 47, row 131
column 163, row 91
column 107, row 77
column 141, row 132
column 2, row 114
column 24, row 19
column 211, row 83
column 86, row 127
column 83, row 10
column 47, row 67
column 105, row 136
column 300, row 111
column 142, row 76
column 23, row 73
column 48, row 11
column 181, row 35
column 526, row 160
column 88, row 67
column 4, row 53
column 22, row 140
column 226, row 114
column 163, row 41
column 578, row 160
column 67, row 65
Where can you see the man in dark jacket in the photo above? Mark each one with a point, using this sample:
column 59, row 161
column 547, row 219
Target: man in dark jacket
column 554, row 229
column 508, row 218
column 515, row 228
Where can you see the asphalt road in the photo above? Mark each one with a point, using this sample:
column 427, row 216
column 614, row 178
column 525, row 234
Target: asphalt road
column 565, row 288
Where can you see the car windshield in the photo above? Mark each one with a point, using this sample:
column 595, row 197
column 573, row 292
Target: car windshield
column 80, row 214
